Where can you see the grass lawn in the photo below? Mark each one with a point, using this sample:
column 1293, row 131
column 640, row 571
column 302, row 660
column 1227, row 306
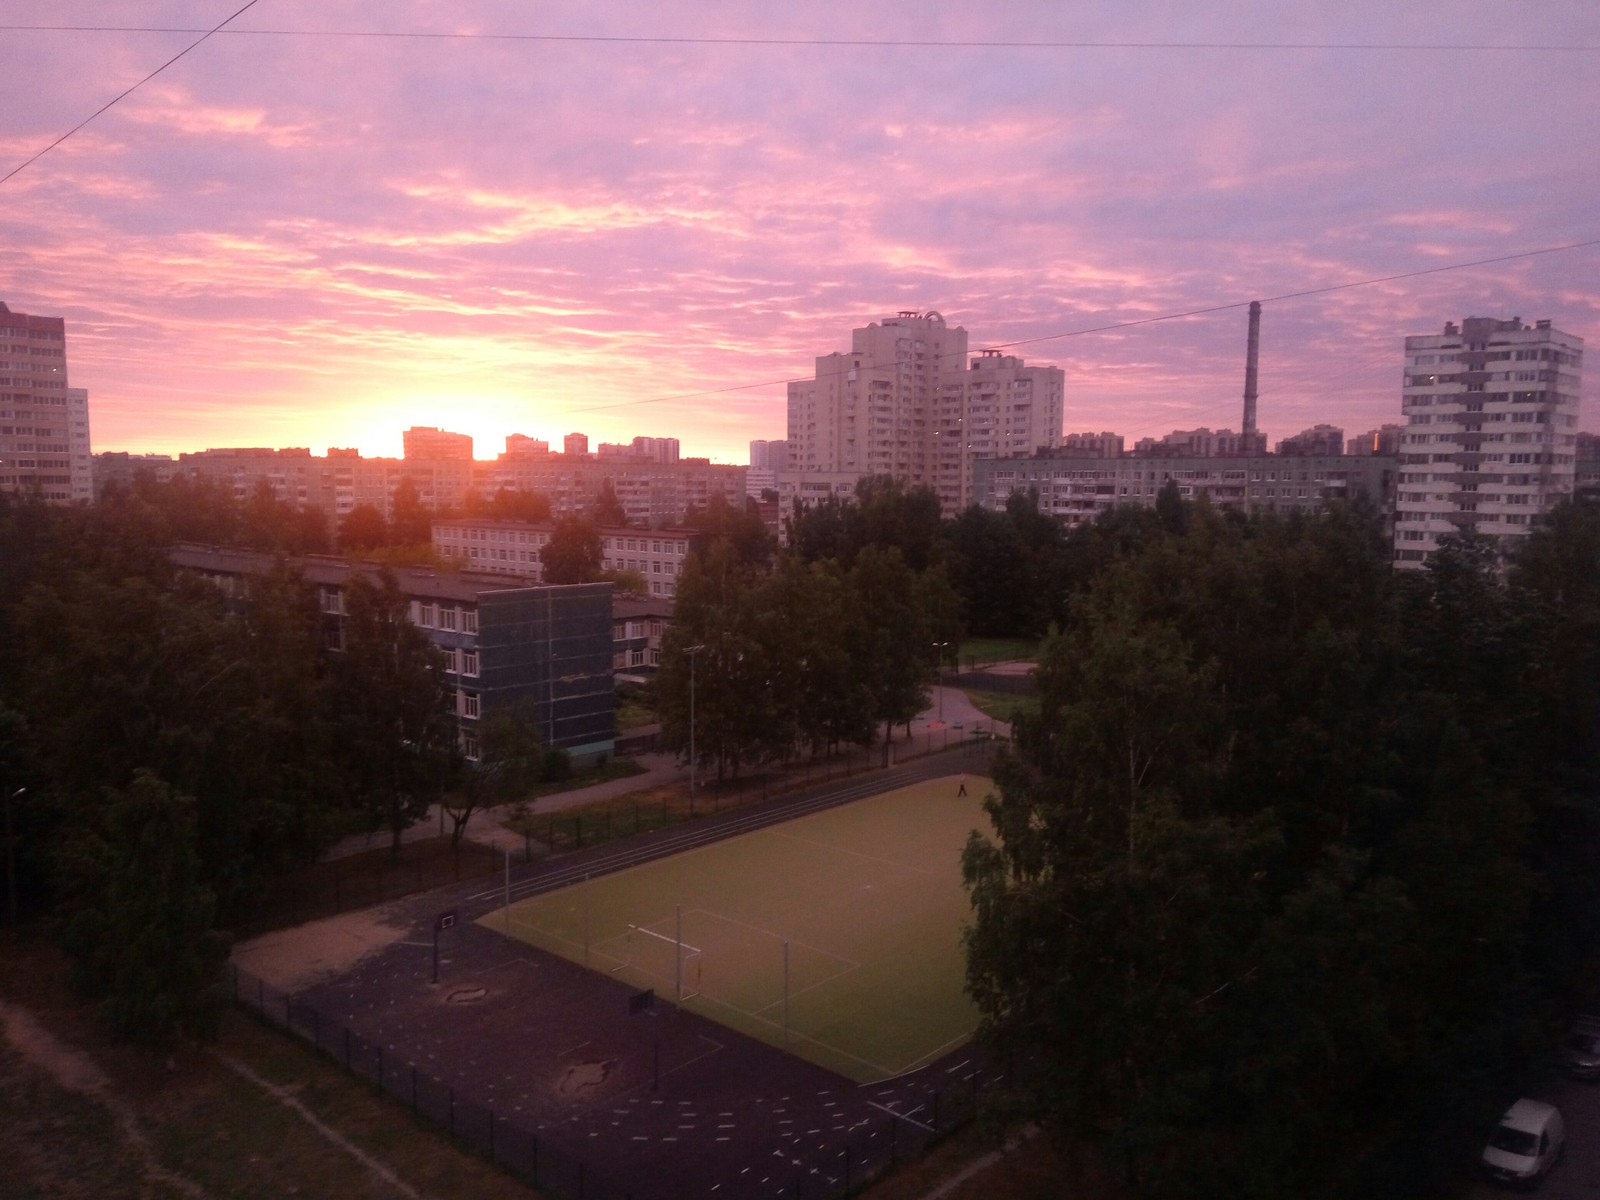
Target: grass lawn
column 188, row 1111
column 602, row 772
column 1003, row 706
column 991, row 650
column 859, row 909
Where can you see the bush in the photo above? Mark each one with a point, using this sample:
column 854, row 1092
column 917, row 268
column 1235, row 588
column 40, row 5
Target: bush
column 557, row 765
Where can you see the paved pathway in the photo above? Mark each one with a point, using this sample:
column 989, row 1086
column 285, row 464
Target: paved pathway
column 950, row 718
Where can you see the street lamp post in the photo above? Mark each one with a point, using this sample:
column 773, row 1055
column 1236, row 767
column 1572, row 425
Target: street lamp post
column 940, row 647
column 691, row 651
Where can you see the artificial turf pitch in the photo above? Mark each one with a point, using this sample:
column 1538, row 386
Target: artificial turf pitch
column 867, row 896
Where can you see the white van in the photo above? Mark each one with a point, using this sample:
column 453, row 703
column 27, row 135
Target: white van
column 1525, row 1144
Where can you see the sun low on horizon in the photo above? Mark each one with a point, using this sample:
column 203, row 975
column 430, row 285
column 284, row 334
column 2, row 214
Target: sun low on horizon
column 321, row 226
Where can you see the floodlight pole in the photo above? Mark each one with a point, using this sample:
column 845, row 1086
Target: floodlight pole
column 691, row 651
column 941, row 647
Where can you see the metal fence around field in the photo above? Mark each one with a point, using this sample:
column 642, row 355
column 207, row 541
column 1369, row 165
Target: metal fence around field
column 905, row 1129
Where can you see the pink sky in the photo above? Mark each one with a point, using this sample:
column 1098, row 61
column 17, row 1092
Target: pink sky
column 289, row 239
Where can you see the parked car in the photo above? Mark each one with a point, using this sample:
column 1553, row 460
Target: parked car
column 1580, row 1052
column 1526, row 1143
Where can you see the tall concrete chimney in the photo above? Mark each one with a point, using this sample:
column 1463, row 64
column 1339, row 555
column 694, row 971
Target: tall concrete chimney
column 1251, row 354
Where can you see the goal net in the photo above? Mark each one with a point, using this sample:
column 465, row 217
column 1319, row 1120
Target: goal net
column 669, row 963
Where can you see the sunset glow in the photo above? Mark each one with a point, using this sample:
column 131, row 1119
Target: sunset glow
column 291, row 239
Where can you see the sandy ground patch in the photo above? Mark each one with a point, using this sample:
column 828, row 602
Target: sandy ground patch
column 292, row 960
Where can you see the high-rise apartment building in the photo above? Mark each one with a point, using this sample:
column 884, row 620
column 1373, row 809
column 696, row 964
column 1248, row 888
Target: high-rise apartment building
column 904, row 401
column 769, row 455
column 1491, row 411
column 997, row 408
column 44, row 425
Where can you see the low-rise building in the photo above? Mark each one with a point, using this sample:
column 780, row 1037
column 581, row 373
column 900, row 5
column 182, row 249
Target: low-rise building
column 1078, row 489
column 550, row 646
column 511, row 548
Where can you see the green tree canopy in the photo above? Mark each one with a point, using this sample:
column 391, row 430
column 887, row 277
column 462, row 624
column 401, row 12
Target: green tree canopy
column 574, row 553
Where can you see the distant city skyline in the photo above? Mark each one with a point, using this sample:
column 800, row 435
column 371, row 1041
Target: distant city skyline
column 304, row 233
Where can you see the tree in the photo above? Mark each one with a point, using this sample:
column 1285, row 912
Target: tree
column 739, row 524
column 392, row 712
column 410, row 522
column 363, row 528
column 140, row 925
column 607, row 511
column 1254, row 914
column 511, row 758
column 891, row 642
column 574, row 553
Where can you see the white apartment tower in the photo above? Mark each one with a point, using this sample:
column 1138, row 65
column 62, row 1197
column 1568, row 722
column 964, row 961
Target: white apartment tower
column 44, row 425
column 1490, row 437
column 903, row 401
column 997, row 408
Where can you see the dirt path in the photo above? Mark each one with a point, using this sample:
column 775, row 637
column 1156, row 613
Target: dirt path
column 77, row 1072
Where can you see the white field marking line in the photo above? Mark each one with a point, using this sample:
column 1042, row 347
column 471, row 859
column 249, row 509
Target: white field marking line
column 810, row 987
column 900, row 1116
column 310, row 1118
column 776, row 937
column 711, row 1001
column 888, row 862
column 931, row 1056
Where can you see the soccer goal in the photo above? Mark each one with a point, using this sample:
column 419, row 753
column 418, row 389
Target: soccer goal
column 675, row 964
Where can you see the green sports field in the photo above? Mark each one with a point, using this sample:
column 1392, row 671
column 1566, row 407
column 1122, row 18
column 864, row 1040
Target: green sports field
column 866, row 897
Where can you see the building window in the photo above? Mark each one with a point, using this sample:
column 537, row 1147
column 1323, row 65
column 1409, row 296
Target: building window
column 469, row 662
column 469, row 704
column 469, row 745
column 425, row 615
column 447, row 616
column 469, row 620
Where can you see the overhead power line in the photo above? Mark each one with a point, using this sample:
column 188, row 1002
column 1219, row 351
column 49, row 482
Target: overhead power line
column 1113, row 326
column 871, row 43
column 205, row 33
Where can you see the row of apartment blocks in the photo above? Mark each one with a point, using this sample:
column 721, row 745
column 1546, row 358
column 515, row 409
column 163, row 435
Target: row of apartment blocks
column 653, row 491
column 505, row 642
column 511, row 548
column 1490, row 438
